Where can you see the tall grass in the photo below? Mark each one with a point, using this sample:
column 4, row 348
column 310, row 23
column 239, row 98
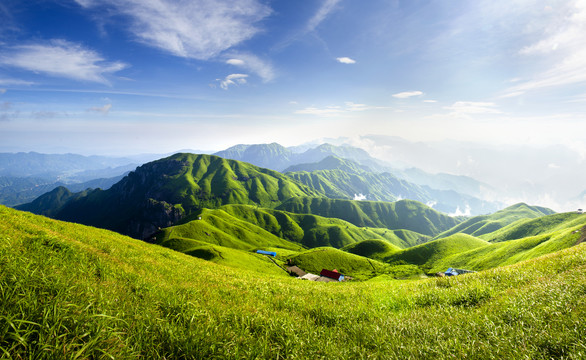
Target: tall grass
column 69, row 291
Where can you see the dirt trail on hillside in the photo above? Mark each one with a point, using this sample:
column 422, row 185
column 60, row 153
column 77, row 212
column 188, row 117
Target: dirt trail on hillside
column 582, row 236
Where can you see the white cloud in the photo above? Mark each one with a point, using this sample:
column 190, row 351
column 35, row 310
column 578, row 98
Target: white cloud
column 430, row 101
column 102, row 109
column 472, row 107
column 327, row 7
column 253, row 64
column 359, row 197
column 407, row 94
column 62, row 59
column 346, row 60
column 232, row 79
column 235, row 62
column 199, row 29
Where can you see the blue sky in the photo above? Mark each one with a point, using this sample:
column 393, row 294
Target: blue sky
column 133, row 76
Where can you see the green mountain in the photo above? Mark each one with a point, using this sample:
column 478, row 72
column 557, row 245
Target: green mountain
column 277, row 157
column 249, row 228
column 485, row 224
column 72, row 291
column 344, row 179
column 270, row 156
column 162, row 192
column 404, row 214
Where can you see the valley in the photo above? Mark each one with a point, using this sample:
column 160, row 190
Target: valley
column 198, row 222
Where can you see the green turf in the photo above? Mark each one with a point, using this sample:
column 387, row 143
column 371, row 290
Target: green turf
column 70, row 291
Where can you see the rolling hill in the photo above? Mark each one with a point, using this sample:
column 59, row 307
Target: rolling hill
column 404, row 214
column 247, row 228
column 485, row 224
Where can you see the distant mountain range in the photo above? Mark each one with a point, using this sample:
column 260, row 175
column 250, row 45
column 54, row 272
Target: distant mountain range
column 343, row 172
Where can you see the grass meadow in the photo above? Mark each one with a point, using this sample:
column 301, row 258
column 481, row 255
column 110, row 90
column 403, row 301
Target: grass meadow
column 74, row 292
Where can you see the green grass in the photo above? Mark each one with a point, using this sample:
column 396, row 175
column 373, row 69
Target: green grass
column 531, row 227
column 484, row 225
column 71, row 291
column 373, row 249
column 426, row 255
column 404, row 214
column 249, row 227
column 513, row 251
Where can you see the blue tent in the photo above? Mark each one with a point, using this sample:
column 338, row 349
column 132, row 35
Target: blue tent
column 264, row 252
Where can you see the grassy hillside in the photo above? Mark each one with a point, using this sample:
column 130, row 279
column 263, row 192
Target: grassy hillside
column 160, row 193
column 373, row 249
column 530, row 227
column 71, row 291
column 560, row 236
column 247, row 227
column 404, row 214
column 428, row 254
column 485, row 224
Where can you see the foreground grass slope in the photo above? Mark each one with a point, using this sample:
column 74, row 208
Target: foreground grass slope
column 70, row 291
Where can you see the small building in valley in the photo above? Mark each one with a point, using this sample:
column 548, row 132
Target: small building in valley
column 454, row 272
column 332, row 274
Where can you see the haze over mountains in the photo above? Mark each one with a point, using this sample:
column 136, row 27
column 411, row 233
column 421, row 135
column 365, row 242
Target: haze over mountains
column 429, row 172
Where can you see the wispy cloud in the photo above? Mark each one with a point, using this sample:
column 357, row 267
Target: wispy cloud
column 463, row 108
column 2, row 91
column 61, row 58
column 407, row 94
column 9, row 82
column 101, row 109
column 561, row 45
column 322, row 13
column 199, row 29
column 346, row 60
column 336, row 109
column 327, row 111
column 253, row 64
column 232, row 79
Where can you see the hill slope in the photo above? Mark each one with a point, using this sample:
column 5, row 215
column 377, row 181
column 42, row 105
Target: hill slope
column 247, row 227
column 426, row 255
column 71, row 290
column 160, row 193
column 404, row 214
column 485, row 224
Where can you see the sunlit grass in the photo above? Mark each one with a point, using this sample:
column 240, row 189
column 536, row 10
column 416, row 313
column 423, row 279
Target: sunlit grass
column 70, row 291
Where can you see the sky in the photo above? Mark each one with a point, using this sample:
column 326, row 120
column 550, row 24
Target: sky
column 118, row 77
